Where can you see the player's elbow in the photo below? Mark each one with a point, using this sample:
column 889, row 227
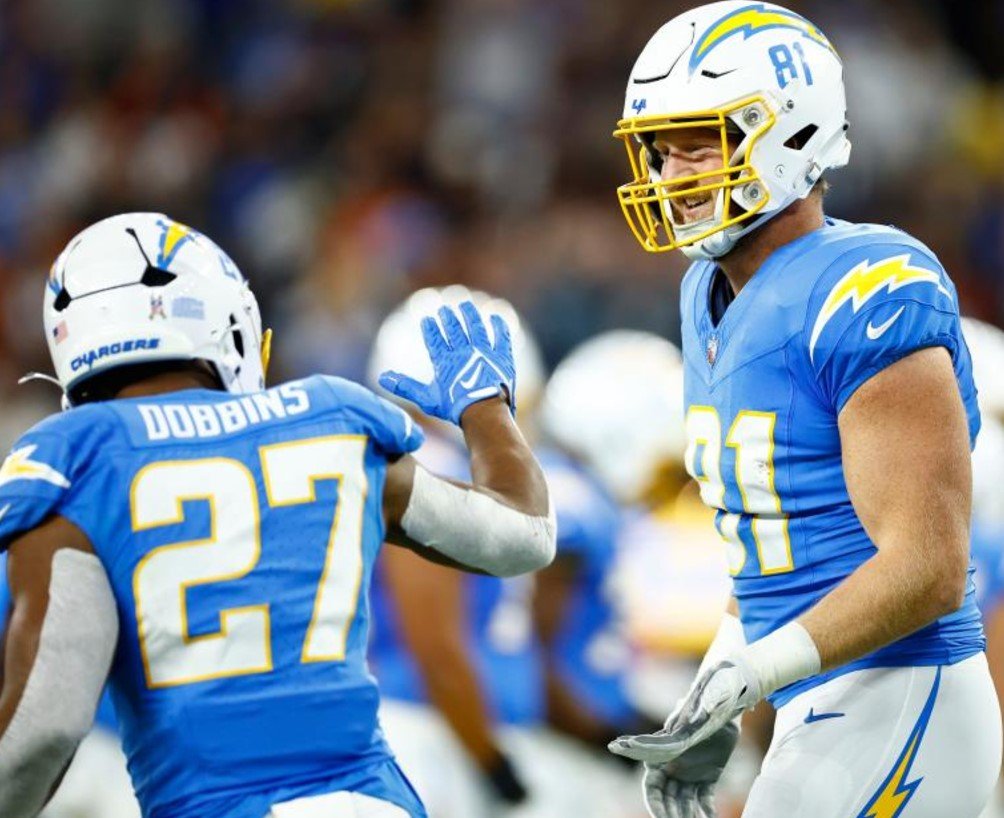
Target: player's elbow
column 58, row 745
column 950, row 594
column 529, row 547
column 947, row 587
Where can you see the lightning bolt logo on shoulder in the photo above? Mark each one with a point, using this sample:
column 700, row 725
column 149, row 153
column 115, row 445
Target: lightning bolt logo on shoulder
column 20, row 466
column 867, row 280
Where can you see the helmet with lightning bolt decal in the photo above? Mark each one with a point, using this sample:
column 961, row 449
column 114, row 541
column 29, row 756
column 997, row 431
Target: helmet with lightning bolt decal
column 769, row 83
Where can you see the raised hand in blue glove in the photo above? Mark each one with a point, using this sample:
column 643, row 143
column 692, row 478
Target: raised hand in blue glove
column 467, row 366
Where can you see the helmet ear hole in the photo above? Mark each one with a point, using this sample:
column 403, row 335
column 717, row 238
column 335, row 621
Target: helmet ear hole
column 799, row 140
column 237, row 335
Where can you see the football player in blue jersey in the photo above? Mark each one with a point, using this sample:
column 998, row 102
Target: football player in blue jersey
column 209, row 543
column 830, row 416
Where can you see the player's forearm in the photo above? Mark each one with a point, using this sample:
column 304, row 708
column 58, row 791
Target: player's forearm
column 502, row 464
column 455, row 691
column 895, row 593
column 501, row 524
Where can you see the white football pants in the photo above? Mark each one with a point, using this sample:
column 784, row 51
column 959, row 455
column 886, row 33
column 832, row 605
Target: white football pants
column 916, row 742
column 337, row 805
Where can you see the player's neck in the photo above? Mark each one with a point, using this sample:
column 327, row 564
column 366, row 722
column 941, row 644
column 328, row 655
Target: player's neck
column 164, row 382
column 749, row 254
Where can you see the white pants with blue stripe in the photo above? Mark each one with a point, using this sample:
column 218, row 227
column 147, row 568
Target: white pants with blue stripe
column 912, row 742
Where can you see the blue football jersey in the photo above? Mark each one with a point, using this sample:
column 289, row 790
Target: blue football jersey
column 499, row 633
column 238, row 534
column 764, row 387
column 591, row 652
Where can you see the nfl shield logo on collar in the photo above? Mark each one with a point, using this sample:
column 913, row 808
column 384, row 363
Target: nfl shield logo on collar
column 712, row 350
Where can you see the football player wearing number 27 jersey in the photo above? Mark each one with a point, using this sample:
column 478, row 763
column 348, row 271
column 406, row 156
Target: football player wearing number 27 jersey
column 830, row 414
column 207, row 544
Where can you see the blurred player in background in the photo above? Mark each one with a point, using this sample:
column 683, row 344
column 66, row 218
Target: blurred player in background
column 211, row 543
column 830, row 416
column 458, row 660
column 986, row 344
column 453, row 654
column 654, row 598
column 590, row 458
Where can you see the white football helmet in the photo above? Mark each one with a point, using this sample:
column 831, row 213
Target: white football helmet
column 140, row 288
column 399, row 345
column 755, row 72
column 616, row 402
column 986, row 346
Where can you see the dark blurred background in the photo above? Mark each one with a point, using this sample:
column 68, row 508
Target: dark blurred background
column 346, row 152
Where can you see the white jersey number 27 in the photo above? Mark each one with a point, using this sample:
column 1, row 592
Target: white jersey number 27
column 243, row 644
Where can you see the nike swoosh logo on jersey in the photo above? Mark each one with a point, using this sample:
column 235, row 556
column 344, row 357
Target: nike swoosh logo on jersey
column 874, row 333
column 4, row 510
column 813, row 716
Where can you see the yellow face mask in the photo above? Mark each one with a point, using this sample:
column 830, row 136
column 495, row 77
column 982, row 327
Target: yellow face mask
column 647, row 204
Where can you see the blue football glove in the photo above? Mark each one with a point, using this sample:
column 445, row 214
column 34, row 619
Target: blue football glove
column 467, row 367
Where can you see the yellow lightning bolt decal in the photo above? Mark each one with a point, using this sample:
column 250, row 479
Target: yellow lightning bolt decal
column 867, row 280
column 751, row 20
column 896, row 791
column 20, row 466
column 893, row 796
column 171, row 241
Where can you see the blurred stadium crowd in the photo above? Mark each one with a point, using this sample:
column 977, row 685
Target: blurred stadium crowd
column 348, row 152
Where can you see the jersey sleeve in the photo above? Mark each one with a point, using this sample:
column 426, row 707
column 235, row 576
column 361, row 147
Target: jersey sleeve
column 35, row 482
column 873, row 306
column 391, row 428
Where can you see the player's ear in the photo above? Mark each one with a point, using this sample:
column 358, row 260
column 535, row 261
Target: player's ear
column 266, row 351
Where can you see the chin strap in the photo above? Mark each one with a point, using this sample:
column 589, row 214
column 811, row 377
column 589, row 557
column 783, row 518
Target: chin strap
column 39, row 376
column 64, row 400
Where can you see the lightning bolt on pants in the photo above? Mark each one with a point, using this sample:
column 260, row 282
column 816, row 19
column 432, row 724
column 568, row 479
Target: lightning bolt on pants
column 907, row 742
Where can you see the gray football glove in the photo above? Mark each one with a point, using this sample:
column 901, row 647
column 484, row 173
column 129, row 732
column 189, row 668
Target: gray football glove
column 685, row 786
